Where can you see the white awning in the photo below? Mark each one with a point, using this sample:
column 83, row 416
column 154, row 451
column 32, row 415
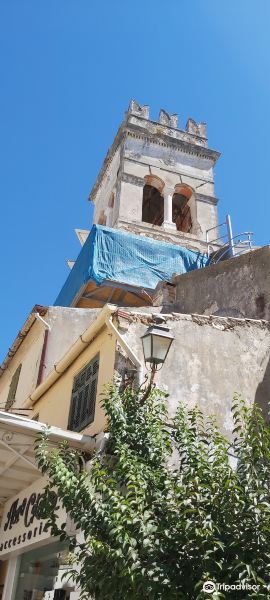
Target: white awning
column 18, row 467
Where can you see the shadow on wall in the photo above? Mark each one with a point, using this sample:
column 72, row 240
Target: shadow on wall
column 262, row 396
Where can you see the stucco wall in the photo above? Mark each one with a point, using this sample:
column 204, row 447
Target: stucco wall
column 131, row 197
column 167, row 164
column 53, row 407
column 66, row 326
column 207, row 218
column 108, row 185
column 237, row 287
column 28, row 355
column 209, row 360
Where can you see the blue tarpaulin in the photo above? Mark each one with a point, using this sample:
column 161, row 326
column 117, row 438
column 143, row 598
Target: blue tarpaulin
column 114, row 255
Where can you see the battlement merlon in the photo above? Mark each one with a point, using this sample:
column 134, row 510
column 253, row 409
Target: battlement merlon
column 164, row 132
column 196, row 129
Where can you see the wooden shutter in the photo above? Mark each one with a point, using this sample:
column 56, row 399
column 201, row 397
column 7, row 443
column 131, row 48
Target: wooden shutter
column 13, row 388
column 83, row 398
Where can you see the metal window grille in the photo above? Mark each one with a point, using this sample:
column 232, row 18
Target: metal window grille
column 83, row 398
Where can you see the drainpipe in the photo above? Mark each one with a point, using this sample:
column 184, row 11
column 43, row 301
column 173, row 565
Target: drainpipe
column 73, row 352
column 42, row 363
column 39, row 317
column 86, row 338
column 126, row 348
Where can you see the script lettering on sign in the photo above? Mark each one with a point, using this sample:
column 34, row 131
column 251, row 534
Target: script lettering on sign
column 22, row 522
column 28, row 509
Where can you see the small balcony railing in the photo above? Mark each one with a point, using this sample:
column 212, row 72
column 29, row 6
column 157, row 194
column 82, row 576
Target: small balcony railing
column 227, row 245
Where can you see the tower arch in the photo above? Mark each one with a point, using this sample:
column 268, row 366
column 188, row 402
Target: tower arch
column 184, row 210
column 153, row 201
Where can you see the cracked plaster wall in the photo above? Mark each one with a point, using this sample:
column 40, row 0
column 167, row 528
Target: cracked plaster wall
column 142, row 147
column 173, row 167
column 109, row 186
column 210, row 359
column 239, row 287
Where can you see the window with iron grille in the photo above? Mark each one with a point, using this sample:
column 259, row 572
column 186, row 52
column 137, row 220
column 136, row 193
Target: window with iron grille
column 13, row 388
column 83, row 398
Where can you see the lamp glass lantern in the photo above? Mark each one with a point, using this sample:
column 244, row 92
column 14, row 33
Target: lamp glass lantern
column 156, row 343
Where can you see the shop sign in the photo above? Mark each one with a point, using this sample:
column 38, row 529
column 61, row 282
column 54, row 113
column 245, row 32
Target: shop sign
column 21, row 524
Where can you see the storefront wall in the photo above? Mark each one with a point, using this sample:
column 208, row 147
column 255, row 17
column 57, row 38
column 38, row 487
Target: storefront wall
column 40, row 574
column 37, row 562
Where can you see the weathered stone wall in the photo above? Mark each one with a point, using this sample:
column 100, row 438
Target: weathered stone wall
column 109, row 187
column 210, row 359
column 171, row 165
column 179, row 238
column 239, row 287
column 142, row 147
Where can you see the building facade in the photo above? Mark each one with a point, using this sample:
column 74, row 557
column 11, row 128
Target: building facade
column 147, row 255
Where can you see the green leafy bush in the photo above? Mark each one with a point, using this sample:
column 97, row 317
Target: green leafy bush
column 167, row 506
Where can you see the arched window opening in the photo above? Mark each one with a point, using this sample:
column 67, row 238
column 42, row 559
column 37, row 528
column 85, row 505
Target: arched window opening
column 153, row 201
column 181, row 213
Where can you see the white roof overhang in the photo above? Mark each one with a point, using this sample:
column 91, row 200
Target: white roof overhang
column 18, row 468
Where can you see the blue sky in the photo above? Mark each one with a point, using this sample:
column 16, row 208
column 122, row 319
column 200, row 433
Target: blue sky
column 68, row 69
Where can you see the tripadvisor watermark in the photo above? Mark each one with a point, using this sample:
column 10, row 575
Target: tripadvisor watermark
column 209, row 587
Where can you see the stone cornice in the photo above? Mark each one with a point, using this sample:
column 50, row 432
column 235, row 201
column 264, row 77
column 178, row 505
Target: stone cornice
column 128, row 178
column 168, row 168
column 180, row 238
column 170, row 142
column 207, row 199
column 172, row 132
column 160, row 138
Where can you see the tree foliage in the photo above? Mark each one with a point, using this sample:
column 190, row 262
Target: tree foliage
column 167, row 506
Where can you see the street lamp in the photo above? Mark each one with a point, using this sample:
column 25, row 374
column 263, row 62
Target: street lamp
column 156, row 343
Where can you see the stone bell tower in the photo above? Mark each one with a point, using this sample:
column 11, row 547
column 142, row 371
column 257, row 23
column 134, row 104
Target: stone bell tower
column 157, row 180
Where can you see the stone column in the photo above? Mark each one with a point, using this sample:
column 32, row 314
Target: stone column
column 168, row 222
